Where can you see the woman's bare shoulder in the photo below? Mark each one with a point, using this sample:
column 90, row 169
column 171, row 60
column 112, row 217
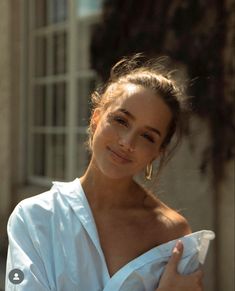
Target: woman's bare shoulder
column 170, row 222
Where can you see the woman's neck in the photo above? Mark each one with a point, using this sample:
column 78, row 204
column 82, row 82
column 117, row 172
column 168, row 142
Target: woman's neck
column 104, row 192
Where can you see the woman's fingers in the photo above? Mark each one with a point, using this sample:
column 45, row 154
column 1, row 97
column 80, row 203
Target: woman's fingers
column 171, row 280
column 175, row 257
column 170, row 274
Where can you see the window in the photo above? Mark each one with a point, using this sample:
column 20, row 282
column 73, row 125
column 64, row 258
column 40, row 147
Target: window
column 60, row 83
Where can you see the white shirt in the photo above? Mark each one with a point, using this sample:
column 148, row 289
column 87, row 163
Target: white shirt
column 53, row 240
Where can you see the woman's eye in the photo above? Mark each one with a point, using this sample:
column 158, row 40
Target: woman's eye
column 121, row 121
column 148, row 137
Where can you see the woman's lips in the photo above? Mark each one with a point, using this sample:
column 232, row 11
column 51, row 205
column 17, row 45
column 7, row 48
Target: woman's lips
column 120, row 157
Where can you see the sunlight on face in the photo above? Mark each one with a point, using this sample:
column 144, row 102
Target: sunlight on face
column 130, row 132
column 142, row 107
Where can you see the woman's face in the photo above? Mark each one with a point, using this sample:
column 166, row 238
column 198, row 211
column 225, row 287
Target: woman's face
column 129, row 133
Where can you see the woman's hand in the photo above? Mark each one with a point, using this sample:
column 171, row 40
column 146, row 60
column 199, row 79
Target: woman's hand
column 171, row 280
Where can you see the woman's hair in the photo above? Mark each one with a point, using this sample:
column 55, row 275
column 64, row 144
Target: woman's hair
column 152, row 75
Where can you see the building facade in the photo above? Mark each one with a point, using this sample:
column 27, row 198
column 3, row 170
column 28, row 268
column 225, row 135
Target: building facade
column 46, row 81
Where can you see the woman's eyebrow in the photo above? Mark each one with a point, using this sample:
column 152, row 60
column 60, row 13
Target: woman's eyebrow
column 126, row 112
column 155, row 130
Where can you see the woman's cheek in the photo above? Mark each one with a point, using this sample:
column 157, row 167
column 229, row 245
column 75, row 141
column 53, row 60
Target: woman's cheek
column 147, row 148
column 107, row 131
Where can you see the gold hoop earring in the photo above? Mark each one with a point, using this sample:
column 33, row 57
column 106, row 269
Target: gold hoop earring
column 149, row 172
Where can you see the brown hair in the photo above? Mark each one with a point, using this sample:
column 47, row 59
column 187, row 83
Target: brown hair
column 152, row 75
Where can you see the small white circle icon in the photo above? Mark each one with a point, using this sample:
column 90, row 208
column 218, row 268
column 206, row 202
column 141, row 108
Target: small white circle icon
column 16, row 276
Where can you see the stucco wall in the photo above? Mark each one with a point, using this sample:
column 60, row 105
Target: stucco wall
column 226, row 234
column 183, row 187
column 226, row 258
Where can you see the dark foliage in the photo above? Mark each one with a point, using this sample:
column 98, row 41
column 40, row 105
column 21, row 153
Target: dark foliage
column 192, row 33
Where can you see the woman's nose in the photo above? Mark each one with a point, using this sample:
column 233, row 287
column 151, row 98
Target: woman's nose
column 127, row 142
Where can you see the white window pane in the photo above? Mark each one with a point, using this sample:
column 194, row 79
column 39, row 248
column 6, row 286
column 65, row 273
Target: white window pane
column 38, row 154
column 83, row 39
column 55, row 152
column 61, row 8
column 58, row 104
column 39, row 105
column 50, row 11
column 40, row 56
column 85, row 29
column 88, row 7
column 60, row 53
column 56, row 11
column 40, row 13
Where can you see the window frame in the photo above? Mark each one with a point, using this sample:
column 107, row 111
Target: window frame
column 71, row 130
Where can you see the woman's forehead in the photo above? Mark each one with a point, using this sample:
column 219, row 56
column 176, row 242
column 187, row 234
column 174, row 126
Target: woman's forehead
column 129, row 94
column 140, row 101
column 117, row 90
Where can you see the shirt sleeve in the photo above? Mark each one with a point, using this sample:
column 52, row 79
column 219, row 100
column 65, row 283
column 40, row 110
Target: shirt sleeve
column 24, row 255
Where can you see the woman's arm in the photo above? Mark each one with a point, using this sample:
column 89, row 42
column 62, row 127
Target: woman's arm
column 171, row 280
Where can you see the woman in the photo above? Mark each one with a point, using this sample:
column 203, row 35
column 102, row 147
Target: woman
column 104, row 231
